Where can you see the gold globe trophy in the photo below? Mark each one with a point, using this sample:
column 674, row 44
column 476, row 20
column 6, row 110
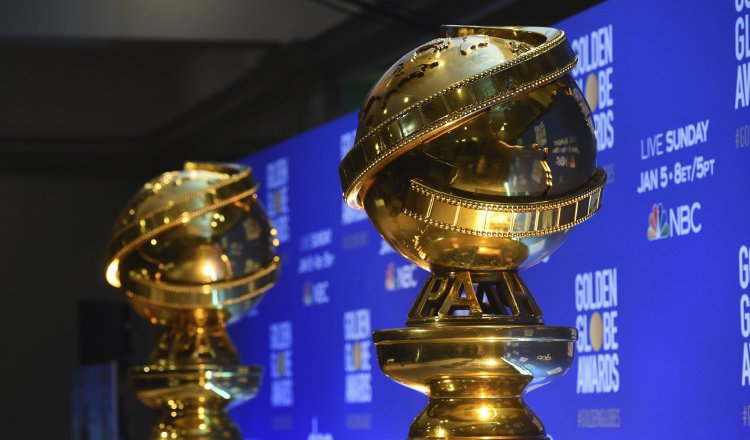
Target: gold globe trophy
column 474, row 157
column 194, row 251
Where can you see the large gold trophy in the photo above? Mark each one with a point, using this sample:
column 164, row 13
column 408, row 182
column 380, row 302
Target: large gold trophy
column 194, row 251
column 475, row 155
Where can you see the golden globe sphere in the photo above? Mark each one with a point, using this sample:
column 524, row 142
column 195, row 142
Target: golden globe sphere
column 476, row 151
column 194, row 238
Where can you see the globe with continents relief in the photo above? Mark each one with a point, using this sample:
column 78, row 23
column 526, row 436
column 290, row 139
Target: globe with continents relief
column 476, row 151
column 194, row 239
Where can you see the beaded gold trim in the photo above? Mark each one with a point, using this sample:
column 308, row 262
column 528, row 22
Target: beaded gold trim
column 208, row 288
column 468, row 216
column 190, row 297
column 192, row 306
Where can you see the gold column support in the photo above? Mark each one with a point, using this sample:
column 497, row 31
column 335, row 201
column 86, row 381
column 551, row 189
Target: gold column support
column 475, row 355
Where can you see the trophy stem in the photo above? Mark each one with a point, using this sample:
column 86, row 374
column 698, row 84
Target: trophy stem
column 474, row 344
column 460, row 298
column 195, row 338
column 193, row 376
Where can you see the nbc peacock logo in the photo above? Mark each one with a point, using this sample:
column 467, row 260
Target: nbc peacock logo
column 658, row 223
column 390, row 277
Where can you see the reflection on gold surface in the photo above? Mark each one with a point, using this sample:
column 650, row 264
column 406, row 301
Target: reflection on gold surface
column 459, row 165
column 194, row 251
column 112, row 273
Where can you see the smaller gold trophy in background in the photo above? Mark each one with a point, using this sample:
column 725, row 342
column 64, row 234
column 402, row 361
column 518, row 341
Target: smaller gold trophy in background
column 194, row 251
column 475, row 155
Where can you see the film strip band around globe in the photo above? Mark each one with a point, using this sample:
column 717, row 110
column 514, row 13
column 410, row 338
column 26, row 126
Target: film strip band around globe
column 514, row 219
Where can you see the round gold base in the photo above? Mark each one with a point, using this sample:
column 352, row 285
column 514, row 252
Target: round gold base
column 475, row 376
column 477, row 418
column 196, row 425
column 503, row 437
column 193, row 399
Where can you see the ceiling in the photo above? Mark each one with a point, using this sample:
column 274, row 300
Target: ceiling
column 103, row 86
column 215, row 21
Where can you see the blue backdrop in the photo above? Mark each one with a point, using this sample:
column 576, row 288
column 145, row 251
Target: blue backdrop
column 663, row 266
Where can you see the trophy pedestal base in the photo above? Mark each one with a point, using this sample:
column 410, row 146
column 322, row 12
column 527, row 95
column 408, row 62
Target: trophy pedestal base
column 193, row 398
column 501, row 437
column 193, row 424
column 477, row 418
column 475, row 376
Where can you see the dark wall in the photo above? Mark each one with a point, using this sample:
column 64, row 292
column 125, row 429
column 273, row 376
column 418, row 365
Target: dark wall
column 54, row 231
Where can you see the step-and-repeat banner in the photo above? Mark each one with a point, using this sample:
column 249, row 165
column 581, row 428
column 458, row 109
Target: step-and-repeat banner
column 662, row 271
